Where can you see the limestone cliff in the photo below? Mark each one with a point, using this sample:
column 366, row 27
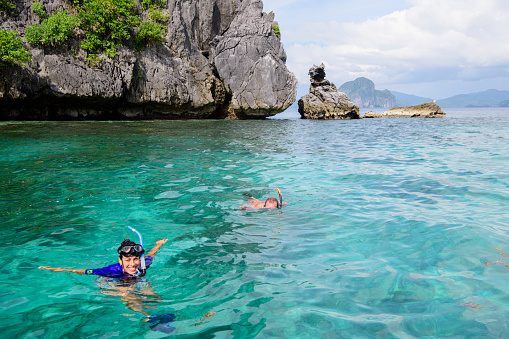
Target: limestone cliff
column 219, row 59
column 363, row 93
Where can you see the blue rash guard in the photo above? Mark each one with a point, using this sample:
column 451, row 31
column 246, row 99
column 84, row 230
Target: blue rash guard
column 115, row 270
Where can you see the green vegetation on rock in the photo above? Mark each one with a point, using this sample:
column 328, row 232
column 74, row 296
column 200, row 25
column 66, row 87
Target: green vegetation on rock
column 6, row 6
column 149, row 33
column 12, row 50
column 54, row 30
column 146, row 4
column 107, row 24
column 157, row 15
column 39, row 9
column 275, row 29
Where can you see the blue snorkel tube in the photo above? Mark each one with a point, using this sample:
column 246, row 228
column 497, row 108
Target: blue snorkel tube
column 143, row 269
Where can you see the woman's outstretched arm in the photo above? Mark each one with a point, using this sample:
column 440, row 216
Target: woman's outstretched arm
column 157, row 247
column 60, row 269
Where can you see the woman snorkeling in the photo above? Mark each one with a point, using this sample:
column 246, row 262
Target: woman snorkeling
column 132, row 263
column 131, row 257
column 270, row 203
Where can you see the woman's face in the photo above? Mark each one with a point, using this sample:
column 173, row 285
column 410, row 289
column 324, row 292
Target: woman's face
column 130, row 264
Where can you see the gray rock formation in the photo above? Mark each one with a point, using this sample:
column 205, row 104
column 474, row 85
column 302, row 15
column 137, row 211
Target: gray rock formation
column 324, row 101
column 363, row 93
column 220, row 59
column 426, row 110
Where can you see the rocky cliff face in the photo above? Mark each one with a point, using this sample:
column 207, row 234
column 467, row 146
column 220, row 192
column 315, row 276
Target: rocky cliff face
column 363, row 93
column 220, row 59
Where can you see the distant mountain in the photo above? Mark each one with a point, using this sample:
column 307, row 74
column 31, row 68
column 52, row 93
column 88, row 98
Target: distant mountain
column 504, row 103
column 489, row 98
column 363, row 94
column 404, row 100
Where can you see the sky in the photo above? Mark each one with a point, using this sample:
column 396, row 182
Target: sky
column 430, row 48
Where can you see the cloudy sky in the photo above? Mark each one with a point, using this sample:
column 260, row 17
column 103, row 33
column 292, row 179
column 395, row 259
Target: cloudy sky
column 430, row 48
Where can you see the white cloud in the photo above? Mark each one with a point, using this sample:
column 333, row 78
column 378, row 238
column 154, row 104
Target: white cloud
column 433, row 40
column 436, row 32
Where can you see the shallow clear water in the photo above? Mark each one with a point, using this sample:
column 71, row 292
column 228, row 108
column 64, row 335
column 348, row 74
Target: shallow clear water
column 388, row 230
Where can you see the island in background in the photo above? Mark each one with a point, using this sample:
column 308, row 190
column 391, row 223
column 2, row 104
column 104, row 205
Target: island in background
column 363, row 93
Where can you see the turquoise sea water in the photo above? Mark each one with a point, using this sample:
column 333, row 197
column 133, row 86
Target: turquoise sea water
column 394, row 228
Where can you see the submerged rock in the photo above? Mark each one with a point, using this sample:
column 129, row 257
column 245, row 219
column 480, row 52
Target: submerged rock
column 426, row 110
column 324, row 101
column 220, row 59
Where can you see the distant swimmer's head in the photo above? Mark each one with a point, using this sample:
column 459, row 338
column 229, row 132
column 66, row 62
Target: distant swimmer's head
column 271, row 203
column 129, row 256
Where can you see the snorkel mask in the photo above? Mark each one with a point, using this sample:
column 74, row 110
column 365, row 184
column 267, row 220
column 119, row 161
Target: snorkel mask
column 143, row 268
column 131, row 250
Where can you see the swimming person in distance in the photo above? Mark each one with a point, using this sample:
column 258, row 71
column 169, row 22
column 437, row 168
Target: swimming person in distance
column 270, row 203
column 129, row 262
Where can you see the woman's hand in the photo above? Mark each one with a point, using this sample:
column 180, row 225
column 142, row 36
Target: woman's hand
column 156, row 248
column 161, row 242
column 52, row 269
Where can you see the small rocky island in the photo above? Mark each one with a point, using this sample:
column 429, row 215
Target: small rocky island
column 426, row 110
column 324, row 101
